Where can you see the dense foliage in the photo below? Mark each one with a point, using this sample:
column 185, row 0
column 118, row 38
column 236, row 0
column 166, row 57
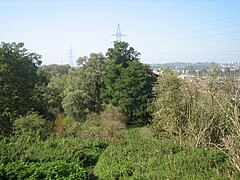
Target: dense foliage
column 82, row 93
column 50, row 170
column 55, row 158
column 62, row 122
column 108, row 126
column 18, row 76
column 145, row 157
column 128, row 83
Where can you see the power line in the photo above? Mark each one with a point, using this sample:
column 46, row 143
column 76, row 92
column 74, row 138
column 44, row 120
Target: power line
column 207, row 41
column 201, row 30
column 230, row 52
column 192, row 37
column 190, row 25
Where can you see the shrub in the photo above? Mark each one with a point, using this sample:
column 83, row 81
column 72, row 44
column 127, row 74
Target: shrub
column 66, row 149
column 65, row 126
column 50, row 170
column 31, row 125
column 108, row 126
column 150, row 158
column 72, row 151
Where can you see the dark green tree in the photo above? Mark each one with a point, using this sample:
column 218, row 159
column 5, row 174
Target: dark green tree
column 128, row 83
column 122, row 54
column 18, row 76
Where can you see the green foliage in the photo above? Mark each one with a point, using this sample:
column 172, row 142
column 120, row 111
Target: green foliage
column 74, row 105
column 82, row 93
column 67, row 157
column 168, row 105
column 65, row 126
column 108, row 126
column 66, row 149
column 191, row 110
column 194, row 112
column 31, row 125
column 50, row 170
column 55, row 69
column 150, row 158
column 56, row 87
column 48, row 92
column 41, row 100
column 199, row 112
column 122, row 54
column 128, row 83
column 18, row 76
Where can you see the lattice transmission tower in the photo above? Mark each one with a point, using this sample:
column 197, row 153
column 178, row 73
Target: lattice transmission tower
column 71, row 56
column 118, row 34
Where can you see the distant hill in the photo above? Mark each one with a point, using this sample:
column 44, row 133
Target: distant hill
column 183, row 65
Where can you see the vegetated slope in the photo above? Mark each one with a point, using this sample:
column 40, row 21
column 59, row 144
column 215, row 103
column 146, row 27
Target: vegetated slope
column 144, row 157
column 55, row 158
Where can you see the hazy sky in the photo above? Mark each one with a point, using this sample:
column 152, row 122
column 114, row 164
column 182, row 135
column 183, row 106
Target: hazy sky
column 161, row 30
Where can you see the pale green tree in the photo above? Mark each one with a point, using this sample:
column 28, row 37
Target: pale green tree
column 82, row 93
column 168, row 115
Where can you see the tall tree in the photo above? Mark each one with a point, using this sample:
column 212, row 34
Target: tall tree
column 48, row 92
column 18, row 76
column 128, row 83
column 168, row 116
column 82, row 94
column 56, row 88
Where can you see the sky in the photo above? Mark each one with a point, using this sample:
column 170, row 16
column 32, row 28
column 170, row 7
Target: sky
column 161, row 30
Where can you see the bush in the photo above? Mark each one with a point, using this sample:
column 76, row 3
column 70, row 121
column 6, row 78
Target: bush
column 66, row 149
column 31, row 125
column 192, row 110
column 64, row 126
column 108, row 126
column 150, row 158
column 50, row 170
column 72, row 151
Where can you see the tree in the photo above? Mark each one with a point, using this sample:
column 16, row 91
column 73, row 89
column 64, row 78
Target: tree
column 121, row 54
column 193, row 110
column 128, row 83
column 82, row 93
column 55, row 69
column 168, row 105
column 56, row 88
column 48, row 92
column 18, row 76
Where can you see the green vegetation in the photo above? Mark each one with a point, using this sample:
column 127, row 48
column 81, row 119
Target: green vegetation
column 128, row 83
column 112, row 118
column 145, row 157
column 52, row 170
column 55, row 158
column 18, row 75
column 82, row 93
column 108, row 126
